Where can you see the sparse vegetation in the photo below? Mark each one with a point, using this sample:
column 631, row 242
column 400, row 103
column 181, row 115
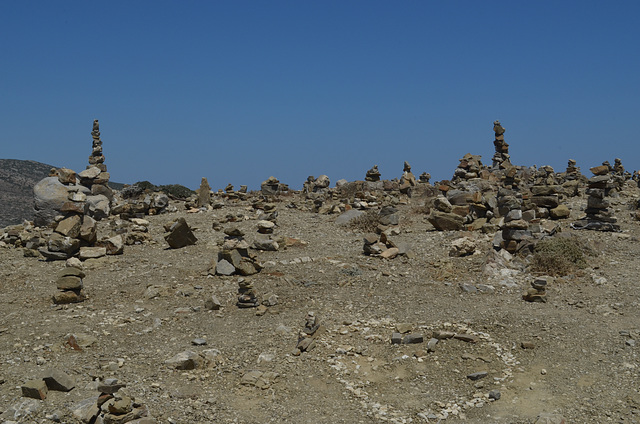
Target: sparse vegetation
column 176, row 191
column 559, row 256
column 367, row 222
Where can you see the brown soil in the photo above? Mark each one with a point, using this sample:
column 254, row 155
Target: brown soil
column 582, row 367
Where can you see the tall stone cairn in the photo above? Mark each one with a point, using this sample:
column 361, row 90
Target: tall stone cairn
column 598, row 214
column 501, row 158
column 97, row 158
column 515, row 229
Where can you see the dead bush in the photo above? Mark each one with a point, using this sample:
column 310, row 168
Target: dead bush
column 366, row 223
column 559, row 256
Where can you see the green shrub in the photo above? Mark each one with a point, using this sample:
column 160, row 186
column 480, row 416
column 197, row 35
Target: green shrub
column 559, row 256
column 176, row 190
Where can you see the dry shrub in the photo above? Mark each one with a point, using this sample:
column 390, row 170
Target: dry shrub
column 366, row 223
column 559, row 256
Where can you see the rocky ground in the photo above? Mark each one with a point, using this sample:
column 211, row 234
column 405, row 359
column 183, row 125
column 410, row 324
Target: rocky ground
column 573, row 357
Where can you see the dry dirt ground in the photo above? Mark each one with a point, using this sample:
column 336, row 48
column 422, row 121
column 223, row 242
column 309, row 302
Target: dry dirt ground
column 583, row 366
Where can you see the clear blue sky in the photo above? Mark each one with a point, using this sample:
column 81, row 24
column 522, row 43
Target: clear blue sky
column 237, row 91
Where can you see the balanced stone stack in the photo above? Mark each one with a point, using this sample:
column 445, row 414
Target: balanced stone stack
column 408, row 180
column 235, row 257
column 315, row 185
column 545, row 195
column 425, row 177
column 96, row 178
column 204, row 194
column 470, row 167
column 306, row 338
column 113, row 406
column 598, row 215
column 619, row 175
column 537, row 292
column 69, row 284
column 373, row 174
column 572, row 179
column 501, row 158
column 247, row 296
column 515, row 230
column 272, row 186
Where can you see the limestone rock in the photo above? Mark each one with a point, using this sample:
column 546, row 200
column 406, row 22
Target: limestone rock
column 35, row 389
column 186, row 360
column 58, row 380
column 443, row 221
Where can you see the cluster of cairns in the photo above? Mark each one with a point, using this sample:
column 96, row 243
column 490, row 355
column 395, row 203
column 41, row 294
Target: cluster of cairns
column 598, row 214
column 469, row 168
column 272, row 186
column 306, row 337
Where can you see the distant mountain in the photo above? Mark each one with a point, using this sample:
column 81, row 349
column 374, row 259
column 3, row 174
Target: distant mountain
column 17, row 178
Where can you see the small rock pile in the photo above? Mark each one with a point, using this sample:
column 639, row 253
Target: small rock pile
column 598, row 215
column 306, row 338
column 314, row 185
column 408, row 180
column 382, row 246
column 136, row 230
column 545, row 195
column 247, row 295
column 470, row 167
column 538, row 290
column 235, row 257
column 272, row 186
column 373, row 174
column 501, row 158
column 619, row 175
column 515, row 229
column 442, row 216
column 70, row 285
column 112, row 406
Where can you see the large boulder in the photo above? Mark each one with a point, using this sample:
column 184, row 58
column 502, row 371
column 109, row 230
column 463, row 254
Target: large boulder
column 49, row 197
column 444, row 221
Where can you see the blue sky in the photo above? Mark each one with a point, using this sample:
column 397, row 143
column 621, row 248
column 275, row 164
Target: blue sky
column 238, row 91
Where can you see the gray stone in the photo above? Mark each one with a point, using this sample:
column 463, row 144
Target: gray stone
column 223, row 267
column 396, row 338
column 35, row 389
column 186, row 360
column 266, row 245
column 443, row 221
column 69, row 282
column 87, row 252
column 431, row 344
column 22, row 410
column 49, row 196
column 99, row 206
column 212, row 303
column 495, row 394
column 477, row 375
column 58, row 380
column 413, row 339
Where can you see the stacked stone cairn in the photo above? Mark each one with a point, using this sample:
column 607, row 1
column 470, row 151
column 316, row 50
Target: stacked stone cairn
column 96, row 178
column 538, row 290
column 373, row 174
column 424, row 177
column 501, row 158
column 408, row 180
column 515, row 230
column 69, row 285
column 598, row 215
column 247, row 296
column 113, row 406
column 546, row 195
column 306, row 338
column 204, row 194
column 235, row 257
column 272, row 186
column 572, row 179
column 619, row 175
column 442, row 216
column 469, row 168
column 315, row 185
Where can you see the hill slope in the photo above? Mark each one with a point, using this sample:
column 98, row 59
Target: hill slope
column 17, row 178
